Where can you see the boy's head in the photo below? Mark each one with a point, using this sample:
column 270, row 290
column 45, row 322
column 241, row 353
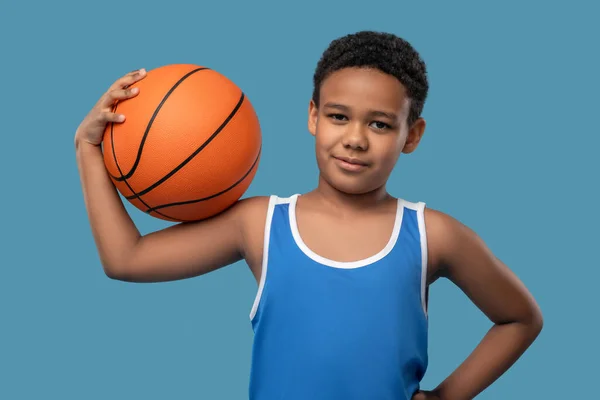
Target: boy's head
column 378, row 50
column 369, row 92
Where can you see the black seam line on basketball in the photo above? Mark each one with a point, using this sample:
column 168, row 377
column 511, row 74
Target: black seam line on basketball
column 145, row 136
column 173, row 219
column 180, row 203
column 198, row 150
column 120, row 172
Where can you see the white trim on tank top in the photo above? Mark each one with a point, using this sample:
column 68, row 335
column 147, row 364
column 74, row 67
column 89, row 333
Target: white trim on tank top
column 274, row 200
column 420, row 210
column 345, row 264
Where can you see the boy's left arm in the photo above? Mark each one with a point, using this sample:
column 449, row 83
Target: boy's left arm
column 457, row 253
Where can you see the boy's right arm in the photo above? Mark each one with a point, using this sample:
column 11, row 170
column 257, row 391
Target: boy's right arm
column 178, row 252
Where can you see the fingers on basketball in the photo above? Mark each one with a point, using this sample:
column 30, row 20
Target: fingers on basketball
column 109, row 116
column 129, row 79
column 115, row 95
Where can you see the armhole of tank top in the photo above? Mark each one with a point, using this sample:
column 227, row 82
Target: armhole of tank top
column 424, row 253
column 265, row 255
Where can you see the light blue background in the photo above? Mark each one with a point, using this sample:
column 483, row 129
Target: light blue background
column 510, row 150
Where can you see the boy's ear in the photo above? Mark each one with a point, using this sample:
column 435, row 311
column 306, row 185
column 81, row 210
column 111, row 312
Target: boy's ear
column 313, row 115
column 415, row 133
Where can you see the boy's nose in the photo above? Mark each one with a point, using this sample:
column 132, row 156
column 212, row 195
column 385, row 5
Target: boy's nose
column 355, row 138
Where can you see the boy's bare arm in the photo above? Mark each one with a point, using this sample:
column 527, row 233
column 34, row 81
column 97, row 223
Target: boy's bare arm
column 461, row 256
column 178, row 252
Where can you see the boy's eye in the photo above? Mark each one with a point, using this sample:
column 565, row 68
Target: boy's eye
column 380, row 125
column 338, row 117
column 377, row 124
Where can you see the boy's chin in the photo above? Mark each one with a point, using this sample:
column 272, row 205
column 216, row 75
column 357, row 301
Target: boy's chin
column 352, row 185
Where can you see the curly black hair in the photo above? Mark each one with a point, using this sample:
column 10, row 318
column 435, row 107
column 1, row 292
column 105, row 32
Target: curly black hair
column 383, row 51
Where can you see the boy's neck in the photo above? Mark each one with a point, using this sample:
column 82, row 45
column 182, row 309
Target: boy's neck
column 345, row 202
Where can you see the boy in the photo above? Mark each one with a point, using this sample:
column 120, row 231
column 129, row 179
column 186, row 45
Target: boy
column 342, row 271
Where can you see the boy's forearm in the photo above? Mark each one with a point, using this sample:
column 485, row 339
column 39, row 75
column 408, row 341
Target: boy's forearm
column 113, row 230
column 500, row 348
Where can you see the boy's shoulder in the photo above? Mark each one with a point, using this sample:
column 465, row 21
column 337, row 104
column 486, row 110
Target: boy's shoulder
column 251, row 207
column 258, row 206
column 253, row 211
column 440, row 224
column 448, row 239
column 254, row 206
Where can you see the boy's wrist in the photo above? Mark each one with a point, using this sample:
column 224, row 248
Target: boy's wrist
column 84, row 146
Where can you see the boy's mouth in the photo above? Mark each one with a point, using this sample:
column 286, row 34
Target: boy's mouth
column 351, row 160
column 350, row 163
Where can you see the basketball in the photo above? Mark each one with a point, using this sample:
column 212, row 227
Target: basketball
column 189, row 147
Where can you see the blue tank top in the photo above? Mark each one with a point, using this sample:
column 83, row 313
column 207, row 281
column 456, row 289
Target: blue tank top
column 329, row 330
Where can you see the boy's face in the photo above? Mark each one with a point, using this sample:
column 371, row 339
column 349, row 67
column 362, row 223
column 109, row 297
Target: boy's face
column 361, row 128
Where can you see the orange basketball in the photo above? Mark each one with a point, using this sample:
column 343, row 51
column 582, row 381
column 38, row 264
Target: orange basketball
column 189, row 147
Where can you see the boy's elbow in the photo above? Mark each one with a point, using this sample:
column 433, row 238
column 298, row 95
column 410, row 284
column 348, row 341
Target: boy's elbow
column 538, row 322
column 118, row 264
column 113, row 271
column 529, row 320
column 534, row 322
